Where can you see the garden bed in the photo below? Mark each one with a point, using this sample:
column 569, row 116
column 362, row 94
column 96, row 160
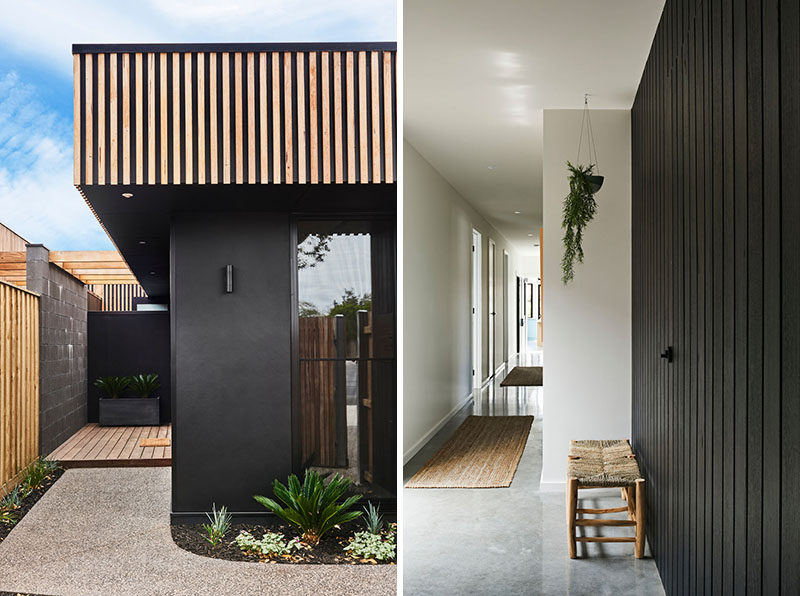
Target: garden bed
column 28, row 502
column 329, row 551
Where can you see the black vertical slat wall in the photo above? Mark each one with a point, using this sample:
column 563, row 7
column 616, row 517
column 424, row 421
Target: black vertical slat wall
column 716, row 275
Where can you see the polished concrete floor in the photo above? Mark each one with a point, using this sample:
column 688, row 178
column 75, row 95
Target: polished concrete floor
column 510, row 540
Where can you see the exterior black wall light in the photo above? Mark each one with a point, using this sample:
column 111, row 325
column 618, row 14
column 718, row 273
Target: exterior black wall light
column 229, row 279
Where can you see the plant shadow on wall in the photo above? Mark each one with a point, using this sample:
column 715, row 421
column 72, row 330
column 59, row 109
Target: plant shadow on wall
column 313, row 524
column 580, row 206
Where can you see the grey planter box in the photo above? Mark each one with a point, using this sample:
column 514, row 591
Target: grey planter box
column 130, row 411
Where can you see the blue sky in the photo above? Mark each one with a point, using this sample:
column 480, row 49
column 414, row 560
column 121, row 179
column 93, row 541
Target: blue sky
column 37, row 198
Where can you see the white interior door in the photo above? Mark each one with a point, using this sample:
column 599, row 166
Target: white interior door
column 506, row 306
column 492, row 310
column 522, row 321
column 477, row 346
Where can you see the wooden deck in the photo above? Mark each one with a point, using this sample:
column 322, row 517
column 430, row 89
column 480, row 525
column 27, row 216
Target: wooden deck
column 113, row 447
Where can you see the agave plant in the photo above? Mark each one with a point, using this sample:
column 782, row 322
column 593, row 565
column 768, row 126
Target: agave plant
column 374, row 518
column 313, row 507
column 113, row 386
column 219, row 526
column 144, row 385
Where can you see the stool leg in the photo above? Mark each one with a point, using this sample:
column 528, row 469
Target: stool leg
column 640, row 518
column 572, row 504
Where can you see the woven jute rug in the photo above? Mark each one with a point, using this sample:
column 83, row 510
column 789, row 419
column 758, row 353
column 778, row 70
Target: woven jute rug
column 523, row 376
column 483, row 453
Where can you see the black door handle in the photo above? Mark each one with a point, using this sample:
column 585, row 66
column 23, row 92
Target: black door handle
column 668, row 354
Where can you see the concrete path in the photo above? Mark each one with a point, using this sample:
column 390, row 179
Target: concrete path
column 106, row 531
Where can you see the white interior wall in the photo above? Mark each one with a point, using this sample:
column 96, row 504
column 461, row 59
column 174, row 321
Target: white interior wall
column 587, row 324
column 437, row 369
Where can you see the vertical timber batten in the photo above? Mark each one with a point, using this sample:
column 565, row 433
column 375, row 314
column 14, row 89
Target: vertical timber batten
column 716, row 133
column 202, row 116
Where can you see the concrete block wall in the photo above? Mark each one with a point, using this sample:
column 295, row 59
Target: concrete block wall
column 63, row 348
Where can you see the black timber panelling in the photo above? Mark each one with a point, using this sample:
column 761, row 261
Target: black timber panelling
column 129, row 343
column 716, row 131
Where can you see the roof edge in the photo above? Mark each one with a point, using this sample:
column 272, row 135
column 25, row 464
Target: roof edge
column 361, row 46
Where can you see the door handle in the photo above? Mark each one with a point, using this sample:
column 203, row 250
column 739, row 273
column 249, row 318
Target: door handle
column 668, row 354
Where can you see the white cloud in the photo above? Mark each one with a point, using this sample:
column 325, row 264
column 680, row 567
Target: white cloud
column 37, row 198
column 45, row 29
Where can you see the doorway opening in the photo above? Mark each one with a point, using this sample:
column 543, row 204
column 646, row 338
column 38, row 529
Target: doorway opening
column 506, row 308
column 491, row 307
column 477, row 345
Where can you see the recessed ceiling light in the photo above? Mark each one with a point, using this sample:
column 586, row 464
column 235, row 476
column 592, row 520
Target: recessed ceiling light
column 142, row 242
column 517, row 212
column 152, row 273
column 530, row 234
column 127, row 195
column 492, row 167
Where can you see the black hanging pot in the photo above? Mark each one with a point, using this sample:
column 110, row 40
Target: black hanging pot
column 595, row 182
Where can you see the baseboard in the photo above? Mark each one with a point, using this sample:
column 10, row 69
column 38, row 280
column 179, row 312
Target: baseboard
column 412, row 451
column 552, row 487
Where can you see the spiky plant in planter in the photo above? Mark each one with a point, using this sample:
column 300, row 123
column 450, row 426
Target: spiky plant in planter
column 144, row 385
column 313, row 507
column 113, row 386
column 579, row 209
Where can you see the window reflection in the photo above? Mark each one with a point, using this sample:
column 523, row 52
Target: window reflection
column 344, row 391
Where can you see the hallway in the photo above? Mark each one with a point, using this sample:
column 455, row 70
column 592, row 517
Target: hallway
column 509, row 540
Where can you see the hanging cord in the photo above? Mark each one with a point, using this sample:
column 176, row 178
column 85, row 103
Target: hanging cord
column 583, row 121
column 590, row 135
column 586, row 122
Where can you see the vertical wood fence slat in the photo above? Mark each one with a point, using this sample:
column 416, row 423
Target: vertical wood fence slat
column 19, row 382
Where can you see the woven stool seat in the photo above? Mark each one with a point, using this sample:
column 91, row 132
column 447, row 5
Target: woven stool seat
column 602, row 463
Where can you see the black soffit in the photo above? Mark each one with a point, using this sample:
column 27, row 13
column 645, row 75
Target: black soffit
column 147, row 216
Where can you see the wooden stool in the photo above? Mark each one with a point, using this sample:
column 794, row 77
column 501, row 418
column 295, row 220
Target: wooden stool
column 605, row 464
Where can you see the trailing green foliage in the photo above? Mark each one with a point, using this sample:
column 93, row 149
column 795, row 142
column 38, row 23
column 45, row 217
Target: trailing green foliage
column 219, row 526
column 313, row 507
column 374, row 519
column 37, row 473
column 144, row 385
column 113, row 386
column 579, row 209
column 271, row 544
column 366, row 545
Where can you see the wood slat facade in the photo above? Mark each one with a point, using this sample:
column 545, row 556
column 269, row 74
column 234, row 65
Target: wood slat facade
column 117, row 297
column 716, row 275
column 19, row 382
column 234, row 114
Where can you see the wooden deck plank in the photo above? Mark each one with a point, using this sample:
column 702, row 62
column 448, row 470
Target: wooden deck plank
column 96, row 446
column 91, row 442
column 110, row 433
column 123, row 440
column 112, row 445
column 132, row 450
column 68, row 445
column 147, row 452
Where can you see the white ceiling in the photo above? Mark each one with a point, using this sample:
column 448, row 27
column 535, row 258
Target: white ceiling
column 477, row 75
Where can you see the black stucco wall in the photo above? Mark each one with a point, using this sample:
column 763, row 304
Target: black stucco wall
column 231, row 358
column 129, row 343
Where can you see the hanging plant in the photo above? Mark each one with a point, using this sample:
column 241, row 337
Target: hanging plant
column 579, row 209
column 579, row 205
